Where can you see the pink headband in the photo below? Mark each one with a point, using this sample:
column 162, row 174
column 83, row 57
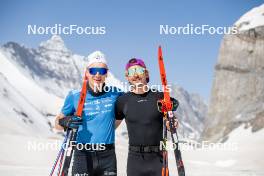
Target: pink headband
column 135, row 61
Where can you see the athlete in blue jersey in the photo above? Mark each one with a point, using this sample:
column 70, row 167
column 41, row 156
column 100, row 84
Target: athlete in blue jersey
column 95, row 151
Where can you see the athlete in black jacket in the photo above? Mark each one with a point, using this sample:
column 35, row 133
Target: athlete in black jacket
column 144, row 122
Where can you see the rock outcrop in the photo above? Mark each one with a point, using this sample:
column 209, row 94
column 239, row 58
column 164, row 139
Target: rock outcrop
column 237, row 95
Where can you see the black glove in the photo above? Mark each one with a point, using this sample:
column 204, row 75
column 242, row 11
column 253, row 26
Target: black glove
column 161, row 107
column 175, row 104
column 71, row 122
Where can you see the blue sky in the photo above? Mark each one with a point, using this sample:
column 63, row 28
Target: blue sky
column 132, row 30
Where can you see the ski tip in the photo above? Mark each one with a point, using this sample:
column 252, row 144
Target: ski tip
column 160, row 51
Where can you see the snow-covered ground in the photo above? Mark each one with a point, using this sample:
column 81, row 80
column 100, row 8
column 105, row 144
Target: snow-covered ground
column 246, row 159
column 241, row 155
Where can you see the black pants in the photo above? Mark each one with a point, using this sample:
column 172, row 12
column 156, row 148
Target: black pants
column 144, row 164
column 96, row 163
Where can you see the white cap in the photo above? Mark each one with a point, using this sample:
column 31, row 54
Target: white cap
column 96, row 57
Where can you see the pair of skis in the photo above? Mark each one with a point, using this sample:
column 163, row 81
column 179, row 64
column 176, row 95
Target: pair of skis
column 64, row 156
column 165, row 106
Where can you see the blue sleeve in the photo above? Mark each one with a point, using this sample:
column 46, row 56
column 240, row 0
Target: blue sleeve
column 68, row 106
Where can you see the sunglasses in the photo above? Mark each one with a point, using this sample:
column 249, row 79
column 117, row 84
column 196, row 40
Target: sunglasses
column 95, row 70
column 136, row 70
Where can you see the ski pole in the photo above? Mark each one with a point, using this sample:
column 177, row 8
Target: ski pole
column 59, row 154
column 69, row 153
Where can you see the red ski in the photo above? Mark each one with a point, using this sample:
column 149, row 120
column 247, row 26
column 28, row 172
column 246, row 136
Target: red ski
column 165, row 106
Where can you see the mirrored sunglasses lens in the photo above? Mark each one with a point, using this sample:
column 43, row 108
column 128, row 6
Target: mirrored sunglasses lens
column 94, row 71
column 136, row 70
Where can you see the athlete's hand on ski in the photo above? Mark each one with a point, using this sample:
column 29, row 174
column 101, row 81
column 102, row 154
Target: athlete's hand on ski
column 64, row 122
column 175, row 125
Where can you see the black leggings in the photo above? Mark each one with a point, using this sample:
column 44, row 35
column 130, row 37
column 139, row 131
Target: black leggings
column 144, row 164
column 99, row 163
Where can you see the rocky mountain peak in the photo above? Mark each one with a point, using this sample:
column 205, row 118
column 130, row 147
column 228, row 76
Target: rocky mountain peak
column 55, row 44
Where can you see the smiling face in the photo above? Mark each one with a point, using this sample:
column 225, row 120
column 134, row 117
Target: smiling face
column 96, row 74
column 137, row 76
